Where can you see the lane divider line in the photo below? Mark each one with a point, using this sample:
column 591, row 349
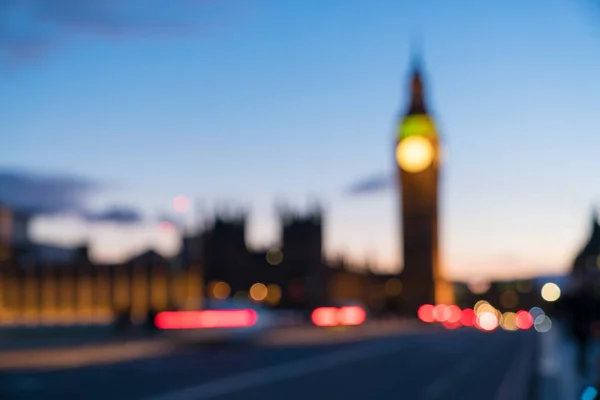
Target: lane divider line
column 515, row 384
column 283, row 371
column 447, row 379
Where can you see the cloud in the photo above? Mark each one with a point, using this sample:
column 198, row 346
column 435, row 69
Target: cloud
column 52, row 194
column 45, row 193
column 115, row 17
column 29, row 28
column 115, row 214
column 374, row 184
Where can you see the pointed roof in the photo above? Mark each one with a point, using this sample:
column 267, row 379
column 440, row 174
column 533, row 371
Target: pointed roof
column 595, row 237
column 592, row 247
column 416, row 63
column 417, row 96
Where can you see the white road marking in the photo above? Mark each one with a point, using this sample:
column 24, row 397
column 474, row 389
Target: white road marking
column 549, row 365
column 516, row 378
column 284, row 371
column 447, row 379
column 81, row 355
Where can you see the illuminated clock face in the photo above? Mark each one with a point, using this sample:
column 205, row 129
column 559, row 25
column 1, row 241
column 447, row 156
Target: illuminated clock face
column 414, row 154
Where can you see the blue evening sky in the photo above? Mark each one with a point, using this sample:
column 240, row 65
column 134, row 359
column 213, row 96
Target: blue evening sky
column 265, row 100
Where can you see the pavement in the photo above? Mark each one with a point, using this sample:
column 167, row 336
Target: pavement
column 558, row 378
column 372, row 362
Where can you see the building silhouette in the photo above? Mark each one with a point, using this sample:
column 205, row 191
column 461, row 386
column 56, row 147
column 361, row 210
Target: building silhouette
column 294, row 269
column 417, row 148
column 586, row 265
column 302, row 246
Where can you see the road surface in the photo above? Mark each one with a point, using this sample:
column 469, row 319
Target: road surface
column 462, row 364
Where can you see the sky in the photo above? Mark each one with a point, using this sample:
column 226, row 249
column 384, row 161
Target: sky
column 117, row 107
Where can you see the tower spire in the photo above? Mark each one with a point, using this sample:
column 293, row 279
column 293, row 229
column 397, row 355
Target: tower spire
column 416, row 53
column 417, row 100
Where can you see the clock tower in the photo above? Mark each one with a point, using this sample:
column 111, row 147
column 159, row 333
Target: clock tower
column 418, row 162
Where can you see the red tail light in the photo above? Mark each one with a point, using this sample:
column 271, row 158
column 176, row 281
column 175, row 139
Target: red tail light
column 325, row 316
column 451, row 325
column 332, row 316
column 524, row 320
column 351, row 316
column 206, row 319
column 454, row 314
column 468, row 317
column 425, row 313
column 441, row 313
